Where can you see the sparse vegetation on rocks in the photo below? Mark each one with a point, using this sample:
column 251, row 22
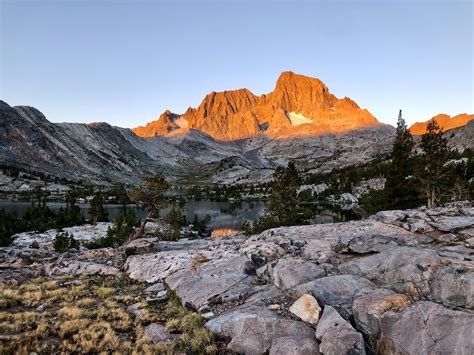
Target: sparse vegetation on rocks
column 89, row 315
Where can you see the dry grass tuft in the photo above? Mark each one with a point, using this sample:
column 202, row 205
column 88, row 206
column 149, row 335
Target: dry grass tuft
column 104, row 292
column 85, row 302
column 70, row 312
column 199, row 259
column 72, row 326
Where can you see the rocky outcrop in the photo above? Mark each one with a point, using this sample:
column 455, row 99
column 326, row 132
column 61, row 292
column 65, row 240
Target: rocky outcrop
column 166, row 123
column 337, row 335
column 298, row 106
column 84, row 233
column 429, row 328
column 389, row 284
column 446, row 122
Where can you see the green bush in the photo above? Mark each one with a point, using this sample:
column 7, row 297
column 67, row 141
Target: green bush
column 64, row 241
column 374, row 201
column 118, row 234
column 9, row 225
column 104, row 242
column 170, row 236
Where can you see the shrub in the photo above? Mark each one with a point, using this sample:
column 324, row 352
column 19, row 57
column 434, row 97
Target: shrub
column 374, row 201
column 171, row 235
column 65, row 241
column 118, row 234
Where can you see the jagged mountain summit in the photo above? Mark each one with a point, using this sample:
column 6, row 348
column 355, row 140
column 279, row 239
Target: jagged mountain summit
column 445, row 121
column 165, row 124
column 298, row 106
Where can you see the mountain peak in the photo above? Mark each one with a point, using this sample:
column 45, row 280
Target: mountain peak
column 299, row 105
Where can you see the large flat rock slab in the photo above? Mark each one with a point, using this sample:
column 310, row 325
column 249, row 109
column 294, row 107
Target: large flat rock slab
column 288, row 272
column 156, row 267
column 200, row 284
column 254, row 329
column 427, row 328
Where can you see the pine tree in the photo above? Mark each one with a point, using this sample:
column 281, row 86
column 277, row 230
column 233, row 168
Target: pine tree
column 151, row 198
column 283, row 200
column 175, row 218
column 400, row 187
column 435, row 155
column 71, row 215
column 97, row 211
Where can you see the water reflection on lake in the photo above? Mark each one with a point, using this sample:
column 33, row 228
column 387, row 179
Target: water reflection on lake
column 224, row 215
column 229, row 215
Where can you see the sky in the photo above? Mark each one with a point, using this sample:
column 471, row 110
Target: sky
column 125, row 62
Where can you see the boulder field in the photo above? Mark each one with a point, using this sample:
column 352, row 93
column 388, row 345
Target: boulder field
column 399, row 282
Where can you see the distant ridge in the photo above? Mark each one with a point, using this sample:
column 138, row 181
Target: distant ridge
column 445, row 121
column 298, row 106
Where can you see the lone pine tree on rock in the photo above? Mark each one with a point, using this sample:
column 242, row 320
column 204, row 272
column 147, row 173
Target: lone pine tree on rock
column 149, row 197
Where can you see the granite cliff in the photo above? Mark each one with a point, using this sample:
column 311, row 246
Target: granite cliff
column 298, row 106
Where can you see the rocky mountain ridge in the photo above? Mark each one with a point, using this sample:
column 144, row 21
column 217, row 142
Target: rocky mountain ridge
column 101, row 153
column 445, row 121
column 298, row 106
column 71, row 150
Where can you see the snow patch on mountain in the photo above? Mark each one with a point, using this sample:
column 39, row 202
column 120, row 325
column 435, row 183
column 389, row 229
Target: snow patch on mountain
column 298, row 119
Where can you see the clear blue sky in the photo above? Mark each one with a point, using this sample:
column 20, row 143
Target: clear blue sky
column 125, row 62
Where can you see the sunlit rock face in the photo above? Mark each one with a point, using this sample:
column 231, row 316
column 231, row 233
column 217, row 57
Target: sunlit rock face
column 446, row 122
column 165, row 124
column 299, row 106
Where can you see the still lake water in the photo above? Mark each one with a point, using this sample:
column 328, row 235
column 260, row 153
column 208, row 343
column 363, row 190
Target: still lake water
column 229, row 215
column 224, row 215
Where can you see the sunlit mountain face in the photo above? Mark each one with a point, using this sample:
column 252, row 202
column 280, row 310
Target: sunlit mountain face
column 446, row 122
column 298, row 106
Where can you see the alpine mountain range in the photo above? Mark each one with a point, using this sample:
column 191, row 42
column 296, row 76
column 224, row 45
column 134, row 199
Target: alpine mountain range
column 231, row 137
